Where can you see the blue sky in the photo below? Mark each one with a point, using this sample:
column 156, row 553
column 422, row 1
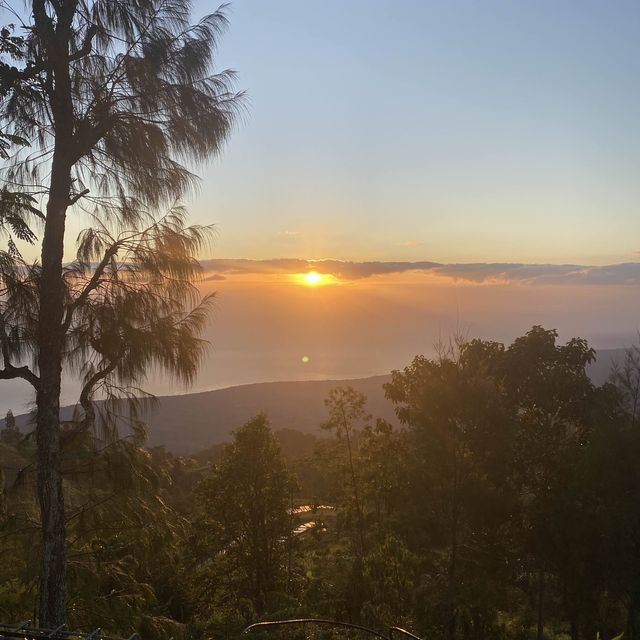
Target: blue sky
column 435, row 130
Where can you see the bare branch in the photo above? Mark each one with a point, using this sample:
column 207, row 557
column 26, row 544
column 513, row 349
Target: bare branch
column 77, row 196
column 87, row 44
column 85, row 396
column 94, row 281
column 10, row 373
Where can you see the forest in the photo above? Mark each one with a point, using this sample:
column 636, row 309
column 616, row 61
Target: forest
column 502, row 504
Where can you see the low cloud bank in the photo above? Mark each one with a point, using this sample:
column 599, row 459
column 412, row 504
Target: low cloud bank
column 480, row 273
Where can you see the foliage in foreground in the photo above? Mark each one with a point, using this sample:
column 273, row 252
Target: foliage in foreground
column 503, row 505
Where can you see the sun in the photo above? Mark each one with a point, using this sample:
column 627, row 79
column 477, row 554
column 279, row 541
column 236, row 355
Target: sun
column 312, row 278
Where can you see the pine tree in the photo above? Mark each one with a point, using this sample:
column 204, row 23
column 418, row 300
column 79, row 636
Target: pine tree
column 112, row 98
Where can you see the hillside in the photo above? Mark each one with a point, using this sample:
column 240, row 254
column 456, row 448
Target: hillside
column 192, row 422
column 189, row 423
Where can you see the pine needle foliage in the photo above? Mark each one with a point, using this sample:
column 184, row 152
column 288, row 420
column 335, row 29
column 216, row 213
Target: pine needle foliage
column 146, row 101
column 131, row 306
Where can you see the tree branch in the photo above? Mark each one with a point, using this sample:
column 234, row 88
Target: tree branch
column 85, row 395
column 10, row 373
column 44, row 24
column 91, row 285
column 73, row 199
column 87, row 44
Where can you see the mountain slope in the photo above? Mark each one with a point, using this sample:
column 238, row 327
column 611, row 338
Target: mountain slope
column 192, row 422
column 188, row 423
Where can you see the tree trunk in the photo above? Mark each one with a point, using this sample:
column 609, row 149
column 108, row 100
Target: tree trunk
column 356, row 491
column 452, row 587
column 56, row 43
column 540, row 612
column 50, row 341
column 631, row 632
column 574, row 629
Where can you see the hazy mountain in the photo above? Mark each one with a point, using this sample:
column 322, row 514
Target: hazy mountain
column 600, row 370
column 193, row 422
column 189, row 423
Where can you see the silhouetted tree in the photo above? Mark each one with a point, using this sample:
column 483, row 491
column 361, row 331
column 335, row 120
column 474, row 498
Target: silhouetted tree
column 457, row 512
column 626, row 378
column 124, row 538
column 112, row 97
column 549, row 385
column 9, row 433
column 241, row 527
column 347, row 416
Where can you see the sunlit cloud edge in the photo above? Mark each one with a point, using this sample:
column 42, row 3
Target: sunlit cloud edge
column 627, row 273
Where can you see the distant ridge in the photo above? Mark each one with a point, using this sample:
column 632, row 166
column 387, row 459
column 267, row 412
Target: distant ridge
column 189, row 423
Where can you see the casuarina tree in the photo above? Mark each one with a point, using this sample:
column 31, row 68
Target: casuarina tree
column 103, row 105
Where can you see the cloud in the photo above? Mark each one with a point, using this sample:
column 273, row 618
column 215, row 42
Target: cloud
column 245, row 266
column 214, row 277
column 338, row 268
column 358, row 270
column 616, row 274
column 479, row 273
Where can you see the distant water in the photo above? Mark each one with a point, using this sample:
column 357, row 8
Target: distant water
column 272, row 332
column 225, row 369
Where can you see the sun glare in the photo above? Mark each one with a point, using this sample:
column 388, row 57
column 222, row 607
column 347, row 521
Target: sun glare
column 312, row 278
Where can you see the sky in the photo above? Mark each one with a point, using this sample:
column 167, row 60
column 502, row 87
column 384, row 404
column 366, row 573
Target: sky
column 445, row 165
column 455, row 131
